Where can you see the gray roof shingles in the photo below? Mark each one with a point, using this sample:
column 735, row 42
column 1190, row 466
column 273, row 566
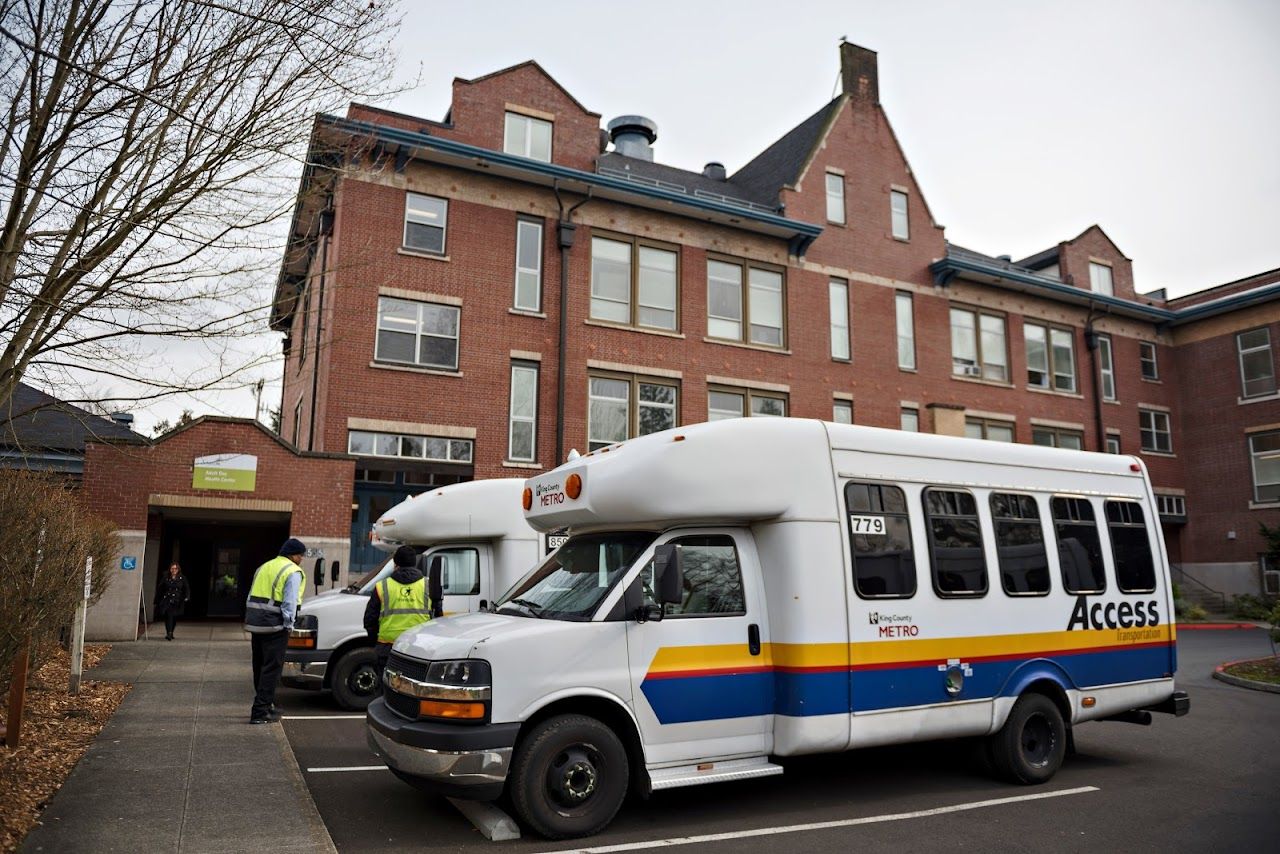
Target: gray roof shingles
column 34, row 421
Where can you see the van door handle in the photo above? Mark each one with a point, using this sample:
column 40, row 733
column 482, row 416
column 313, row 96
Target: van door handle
column 753, row 639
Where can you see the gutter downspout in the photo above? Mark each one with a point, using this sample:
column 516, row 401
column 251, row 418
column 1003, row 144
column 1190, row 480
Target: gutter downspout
column 1091, row 342
column 565, row 232
column 326, row 229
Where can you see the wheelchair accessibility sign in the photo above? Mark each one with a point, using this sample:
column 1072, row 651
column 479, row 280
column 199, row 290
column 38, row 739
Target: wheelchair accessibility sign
column 128, row 562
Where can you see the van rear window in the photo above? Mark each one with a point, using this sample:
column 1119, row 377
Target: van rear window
column 955, row 543
column 884, row 563
column 1130, row 547
column 1079, row 549
column 1024, row 564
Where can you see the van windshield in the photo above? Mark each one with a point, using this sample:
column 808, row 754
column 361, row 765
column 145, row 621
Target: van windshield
column 365, row 585
column 571, row 583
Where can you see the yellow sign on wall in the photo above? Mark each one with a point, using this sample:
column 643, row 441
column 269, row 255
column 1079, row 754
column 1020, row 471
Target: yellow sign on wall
column 232, row 472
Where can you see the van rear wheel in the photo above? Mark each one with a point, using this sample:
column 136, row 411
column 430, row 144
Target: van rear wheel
column 569, row 777
column 355, row 681
column 1030, row 746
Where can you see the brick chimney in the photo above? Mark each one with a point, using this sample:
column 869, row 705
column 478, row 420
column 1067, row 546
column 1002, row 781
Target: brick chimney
column 858, row 73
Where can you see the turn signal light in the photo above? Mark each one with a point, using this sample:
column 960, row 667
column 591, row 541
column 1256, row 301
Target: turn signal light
column 302, row 643
column 1089, row 702
column 527, row 498
column 573, row 485
column 445, row 709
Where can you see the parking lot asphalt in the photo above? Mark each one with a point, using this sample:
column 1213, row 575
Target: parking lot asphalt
column 1201, row 782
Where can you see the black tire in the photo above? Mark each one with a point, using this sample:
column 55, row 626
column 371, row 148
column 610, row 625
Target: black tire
column 569, row 777
column 355, row 682
column 1030, row 746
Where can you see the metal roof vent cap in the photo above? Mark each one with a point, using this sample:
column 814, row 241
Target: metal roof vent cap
column 123, row 418
column 714, row 171
column 632, row 136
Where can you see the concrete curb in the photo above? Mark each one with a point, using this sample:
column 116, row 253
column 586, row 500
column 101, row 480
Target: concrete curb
column 1219, row 672
column 1182, row 627
column 317, row 825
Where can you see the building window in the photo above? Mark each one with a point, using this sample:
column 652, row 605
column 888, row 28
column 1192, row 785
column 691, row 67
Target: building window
column 909, row 419
column 1113, row 443
column 1257, row 369
column 978, row 345
column 621, row 406
column 1054, row 437
column 528, row 292
column 297, row 421
column 884, row 564
column 835, row 198
column 986, row 428
column 1171, row 505
column 1130, row 547
column 1051, row 358
column 620, row 290
column 1100, row 279
column 1106, row 368
column 527, row 137
column 1024, row 566
column 838, row 290
column 898, row 208
column 1264, row 452
column 761, row 315
column 906, row 331
column 1147, row 356
column 425, row 218
column 417, row 333
column 955, row 543
column 433, row 448
column 725, row 403
column 1154, row 429
column 522, row 429
column 1079, row 549
column 842, row 411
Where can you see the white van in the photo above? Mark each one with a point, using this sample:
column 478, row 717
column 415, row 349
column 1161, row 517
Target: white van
column 757, row 588
column 484, row 544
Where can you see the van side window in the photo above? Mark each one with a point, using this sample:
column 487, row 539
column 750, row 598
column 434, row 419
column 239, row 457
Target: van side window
column 1024, row 565
column 712, row 578
column 1130, row 547
column 460, row 575
column 884, row 564
column 1079, row 549
column 955, row 543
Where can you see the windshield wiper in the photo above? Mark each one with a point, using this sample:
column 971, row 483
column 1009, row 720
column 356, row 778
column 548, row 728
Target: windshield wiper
column 532, row 607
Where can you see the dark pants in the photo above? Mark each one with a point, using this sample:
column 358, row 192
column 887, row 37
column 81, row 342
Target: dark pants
column 170, row 620
column 268, row 661
column 383, row 651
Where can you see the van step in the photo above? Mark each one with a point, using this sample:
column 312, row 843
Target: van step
column 712, row 772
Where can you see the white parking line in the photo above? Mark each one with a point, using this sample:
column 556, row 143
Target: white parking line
column 322, row 717
column 823, row 825
column 349, row 768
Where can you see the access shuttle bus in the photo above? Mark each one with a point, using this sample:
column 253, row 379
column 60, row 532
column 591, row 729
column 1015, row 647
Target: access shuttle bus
column 484, row 544
column 743, row 590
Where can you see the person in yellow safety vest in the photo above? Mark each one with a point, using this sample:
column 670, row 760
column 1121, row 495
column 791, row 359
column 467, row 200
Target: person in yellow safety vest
column 269, row 613
column 398, row 603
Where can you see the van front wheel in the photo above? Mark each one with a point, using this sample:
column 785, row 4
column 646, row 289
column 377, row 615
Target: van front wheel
column 355, row 679
column 569, row 777
column 1030, row 746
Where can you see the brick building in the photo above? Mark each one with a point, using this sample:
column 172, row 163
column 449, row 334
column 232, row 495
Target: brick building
column 474, row 297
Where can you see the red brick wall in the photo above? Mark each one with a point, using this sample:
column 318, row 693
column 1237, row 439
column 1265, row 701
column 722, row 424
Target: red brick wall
column 1074, row 256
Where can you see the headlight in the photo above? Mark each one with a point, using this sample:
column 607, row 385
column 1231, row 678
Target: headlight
column 304, row 632
column 453, row 690
column 468, row 672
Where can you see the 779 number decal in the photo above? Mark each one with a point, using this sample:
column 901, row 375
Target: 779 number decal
column 873, row 525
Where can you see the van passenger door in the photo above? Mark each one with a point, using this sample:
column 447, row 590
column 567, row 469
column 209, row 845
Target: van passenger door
column 466, row 576
column 701, row 677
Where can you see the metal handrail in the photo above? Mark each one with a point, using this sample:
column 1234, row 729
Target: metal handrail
column 1222, row 597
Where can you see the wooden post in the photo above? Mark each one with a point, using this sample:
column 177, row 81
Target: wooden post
column 17, row 695
column 77, row 629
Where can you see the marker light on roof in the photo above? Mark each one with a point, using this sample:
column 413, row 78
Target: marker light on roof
column 526, row 498
column 1134, row 467
column 679, row 438
column 573, row 485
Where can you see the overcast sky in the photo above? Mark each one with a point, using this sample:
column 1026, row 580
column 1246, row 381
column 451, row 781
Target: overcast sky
column 1024, row 122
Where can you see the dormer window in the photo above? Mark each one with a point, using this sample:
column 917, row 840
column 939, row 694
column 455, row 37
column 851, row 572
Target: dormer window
column 1100, row 279
column 527, row 137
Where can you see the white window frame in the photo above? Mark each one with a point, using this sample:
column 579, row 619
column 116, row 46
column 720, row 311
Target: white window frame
column 835, row 198
column 904, row 307
column 409, row 217
column 419, row 335
column 1241, row 352
column 979, row 369
column 451, row 445
column 1256, row 455
column 521, row 235
column 839, row 407
column 909, row 419
column 1100, row 284
column 1145, row 347
column 1170, row 505
column 1112, row 443
column 1106, row 367
column 838, row 299
column 1052, row 372
column 1152, row 417
column 524, row 370
column 899, row 214
column 1056, row 434
column 527, row 123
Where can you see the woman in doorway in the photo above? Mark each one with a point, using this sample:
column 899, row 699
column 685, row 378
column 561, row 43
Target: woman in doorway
column 171, row 596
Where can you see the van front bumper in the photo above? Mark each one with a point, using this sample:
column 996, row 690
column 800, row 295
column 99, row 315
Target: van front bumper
column 455, row 760
column 304, row 669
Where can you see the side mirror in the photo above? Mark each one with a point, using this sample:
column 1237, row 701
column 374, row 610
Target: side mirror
column 668, row 569
column 319, row 572
column 435, row 588
column 333, row 571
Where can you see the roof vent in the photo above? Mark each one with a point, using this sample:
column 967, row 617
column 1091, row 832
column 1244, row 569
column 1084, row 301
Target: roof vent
column 1008, row 259
column 714, row 171
column 633, row 135
column 122, row 418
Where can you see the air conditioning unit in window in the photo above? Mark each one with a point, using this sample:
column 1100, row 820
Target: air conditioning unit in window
column 970, row 371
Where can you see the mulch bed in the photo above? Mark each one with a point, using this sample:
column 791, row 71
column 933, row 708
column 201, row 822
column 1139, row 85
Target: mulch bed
column 1262, row 670
column 56, row 730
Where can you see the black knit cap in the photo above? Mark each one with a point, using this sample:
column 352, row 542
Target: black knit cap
column 405, row 556
column 292, row 546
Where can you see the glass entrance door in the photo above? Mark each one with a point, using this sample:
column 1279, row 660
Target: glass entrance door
column 224, row 583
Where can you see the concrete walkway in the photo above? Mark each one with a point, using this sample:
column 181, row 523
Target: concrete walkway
column 178, row 768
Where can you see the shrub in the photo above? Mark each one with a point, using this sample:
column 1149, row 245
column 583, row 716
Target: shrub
column 1249, row 607
column 44, row 540
column 1195, row 612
